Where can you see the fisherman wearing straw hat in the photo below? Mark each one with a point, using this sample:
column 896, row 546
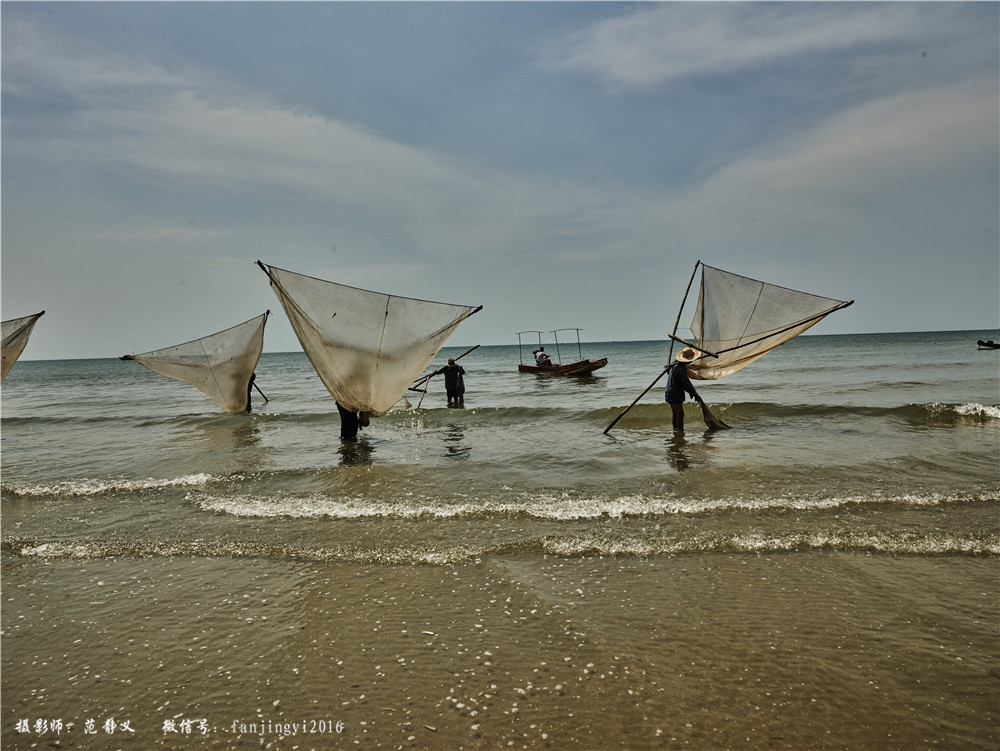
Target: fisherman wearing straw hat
column 678, row 383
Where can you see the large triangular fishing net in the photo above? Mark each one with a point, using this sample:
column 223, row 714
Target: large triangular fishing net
column 741, row 319
column 219, row 364
column 367, row 347
column 16, row 333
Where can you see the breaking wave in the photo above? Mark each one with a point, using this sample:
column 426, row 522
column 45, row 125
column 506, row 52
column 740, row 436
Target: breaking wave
column 92, row 487
column 573, row 545
column 561, row 507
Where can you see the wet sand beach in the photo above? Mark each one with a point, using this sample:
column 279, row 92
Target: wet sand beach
column 818, row 650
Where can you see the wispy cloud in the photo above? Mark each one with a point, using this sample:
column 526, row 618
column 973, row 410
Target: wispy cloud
column 162, row 233
column 909, row 144
column 668, row 41
column 40, row 66
column 147, row 163
column 189, row 133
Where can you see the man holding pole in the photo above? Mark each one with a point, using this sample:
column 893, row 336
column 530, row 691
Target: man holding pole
column 678, row 383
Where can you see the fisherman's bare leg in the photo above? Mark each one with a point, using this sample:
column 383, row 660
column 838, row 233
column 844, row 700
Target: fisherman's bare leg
column 677, row 410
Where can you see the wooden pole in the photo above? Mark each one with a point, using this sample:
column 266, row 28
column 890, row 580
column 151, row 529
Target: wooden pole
column 636, row 401
column 424, row 379
column 693, row 346
column 669, row 354
column 427, row 378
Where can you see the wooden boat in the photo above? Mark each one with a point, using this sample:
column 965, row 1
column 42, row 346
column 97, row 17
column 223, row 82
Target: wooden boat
column 583, row 367
column 580, row 367
column 988, row 344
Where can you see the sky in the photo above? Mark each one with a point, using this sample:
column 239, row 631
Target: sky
column 562, row 164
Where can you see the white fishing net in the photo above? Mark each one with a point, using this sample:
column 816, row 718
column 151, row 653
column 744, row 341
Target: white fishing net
column 16, row 333
column 220, row 364
column 742, row 319
column 367, row 347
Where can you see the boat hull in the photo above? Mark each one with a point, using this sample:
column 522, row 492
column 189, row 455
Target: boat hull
column 583, row 367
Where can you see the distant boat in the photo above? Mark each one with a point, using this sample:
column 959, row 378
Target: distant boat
column 580, row 367
column 16, row 333
column 220, row 365
column 988, row 344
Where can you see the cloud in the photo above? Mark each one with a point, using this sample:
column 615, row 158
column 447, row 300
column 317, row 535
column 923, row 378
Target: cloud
column 168, row 233
column 911, row 145
column 146, row 164
column 193, row 133
column 39, row 66
column 672, row 41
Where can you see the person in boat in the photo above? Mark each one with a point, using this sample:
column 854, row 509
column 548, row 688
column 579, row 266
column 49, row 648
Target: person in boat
column 454, row 384
column 541, row 359
column 679, row 383
column 351, row 421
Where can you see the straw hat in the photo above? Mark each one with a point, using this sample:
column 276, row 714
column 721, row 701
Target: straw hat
column 688, row 354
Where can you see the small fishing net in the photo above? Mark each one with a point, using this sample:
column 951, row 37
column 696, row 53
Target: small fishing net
column 16, row 333
column 220, row 364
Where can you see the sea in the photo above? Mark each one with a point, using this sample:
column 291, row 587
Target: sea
column 855, row 469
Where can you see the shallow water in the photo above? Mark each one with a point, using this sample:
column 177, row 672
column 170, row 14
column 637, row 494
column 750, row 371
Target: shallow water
column 883, row 451
column 821, row 575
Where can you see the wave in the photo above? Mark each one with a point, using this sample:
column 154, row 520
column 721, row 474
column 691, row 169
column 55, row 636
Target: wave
column 572, row 545
column 933, row 413
column 561, row 507
column 92, row 487
column 747, row 412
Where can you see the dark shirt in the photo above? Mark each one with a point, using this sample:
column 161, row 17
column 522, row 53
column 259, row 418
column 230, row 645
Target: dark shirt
column 451, row 374
column 677, row 383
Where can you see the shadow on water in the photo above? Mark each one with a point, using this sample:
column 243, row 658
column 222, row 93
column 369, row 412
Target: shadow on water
column 681, row 454
column 355, row 452
column 678, row 452
column 219, row 438
column 455, row 445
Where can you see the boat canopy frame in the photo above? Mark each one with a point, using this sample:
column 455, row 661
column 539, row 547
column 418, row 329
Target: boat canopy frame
column 555, row 336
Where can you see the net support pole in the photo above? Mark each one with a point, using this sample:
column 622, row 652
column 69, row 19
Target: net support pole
column 680, row 310
column 424, row 379
column 669, row 353
column 636, row 401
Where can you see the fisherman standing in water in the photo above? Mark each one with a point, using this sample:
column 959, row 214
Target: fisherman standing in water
column 350, row 421
column 253, row 377
column 454, row 384
column 678, row 383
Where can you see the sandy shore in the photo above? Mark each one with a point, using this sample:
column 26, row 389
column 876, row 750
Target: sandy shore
column 718, row 651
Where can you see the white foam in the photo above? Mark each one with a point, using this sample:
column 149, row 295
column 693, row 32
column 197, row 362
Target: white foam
column 555, row 508
column 88, row 486
column 979, row 410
